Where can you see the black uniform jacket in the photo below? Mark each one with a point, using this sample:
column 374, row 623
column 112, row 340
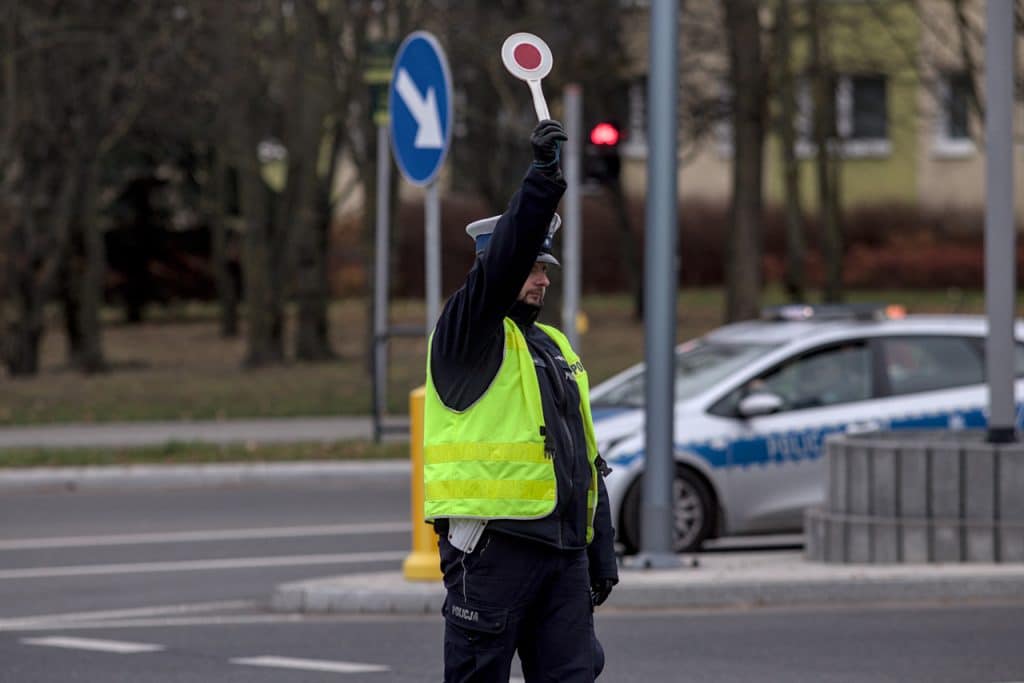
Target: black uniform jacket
column 466, row 354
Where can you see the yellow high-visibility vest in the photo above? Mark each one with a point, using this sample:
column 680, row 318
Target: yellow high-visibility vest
column 488, row 461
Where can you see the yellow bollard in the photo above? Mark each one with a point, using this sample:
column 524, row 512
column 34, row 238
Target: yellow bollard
column 424, row 562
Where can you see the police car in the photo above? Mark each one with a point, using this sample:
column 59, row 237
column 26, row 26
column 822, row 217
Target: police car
column 756, row 399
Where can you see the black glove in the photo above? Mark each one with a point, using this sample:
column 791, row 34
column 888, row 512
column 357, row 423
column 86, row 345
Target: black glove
column 600, row 589
column 547, row 139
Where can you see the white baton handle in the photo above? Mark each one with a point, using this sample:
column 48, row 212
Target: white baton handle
column 540, row 105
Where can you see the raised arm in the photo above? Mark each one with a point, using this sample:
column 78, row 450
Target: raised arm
column 473, row 315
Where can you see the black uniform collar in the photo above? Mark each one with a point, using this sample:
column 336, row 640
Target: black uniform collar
column 523, row 314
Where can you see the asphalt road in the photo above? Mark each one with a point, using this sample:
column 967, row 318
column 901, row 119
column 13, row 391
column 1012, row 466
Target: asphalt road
column 173, row 585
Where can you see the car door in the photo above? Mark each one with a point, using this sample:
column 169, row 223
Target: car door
column 775, row 463
column 933, row 381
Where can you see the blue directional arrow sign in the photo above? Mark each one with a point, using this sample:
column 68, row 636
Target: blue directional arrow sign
column 420, row 108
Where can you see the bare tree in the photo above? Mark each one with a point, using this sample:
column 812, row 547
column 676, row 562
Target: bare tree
column 785, row 127
column 337, row 110
column 306, row 213
column 215, row 56
column 75, row 80
column 968, row 43
column 826, row 162
column 743, row 270
column 248, row 80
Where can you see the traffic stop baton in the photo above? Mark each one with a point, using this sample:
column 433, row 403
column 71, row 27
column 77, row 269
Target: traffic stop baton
column 528, row 58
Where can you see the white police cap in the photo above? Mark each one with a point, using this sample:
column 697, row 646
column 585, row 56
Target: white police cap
column 481, row 231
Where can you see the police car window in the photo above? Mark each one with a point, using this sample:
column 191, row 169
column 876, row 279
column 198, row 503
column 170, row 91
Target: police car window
column 699, row 366
column 916, row 364
column 830, row 376
column 978, row 344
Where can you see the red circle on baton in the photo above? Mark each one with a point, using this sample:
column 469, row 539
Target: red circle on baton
column 527, row 56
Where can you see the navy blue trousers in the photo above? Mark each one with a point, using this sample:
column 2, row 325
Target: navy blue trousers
column 512, row 594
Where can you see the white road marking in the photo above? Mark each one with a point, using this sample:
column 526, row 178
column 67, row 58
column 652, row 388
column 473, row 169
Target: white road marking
column 310, row 664
column 134, row 612
column 210, row 535
column 200, row 565
column 117, row 646
column 164, row 622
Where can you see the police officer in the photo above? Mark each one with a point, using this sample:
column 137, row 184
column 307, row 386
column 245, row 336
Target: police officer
column 513, row 480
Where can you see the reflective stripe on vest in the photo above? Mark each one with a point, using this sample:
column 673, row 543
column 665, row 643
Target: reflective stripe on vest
column 488, row 461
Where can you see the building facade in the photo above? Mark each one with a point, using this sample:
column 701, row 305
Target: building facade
column 903, row 72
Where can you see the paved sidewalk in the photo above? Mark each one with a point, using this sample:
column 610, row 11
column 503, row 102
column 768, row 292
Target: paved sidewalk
column 135, row 434
column 271, row 430
column 726, row 580
column 135, row 477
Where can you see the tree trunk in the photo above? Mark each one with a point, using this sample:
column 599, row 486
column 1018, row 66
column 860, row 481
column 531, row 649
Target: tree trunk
column 264, row 312
column 242, row 124
column 311, row 287
column 793, row 278
column 216, row 213
column 309, row 210
column 833, row 227
column 743, row 269
column 826, row 162
column 218, row 196
column 23, row 331
column 21, row 347
column 963, row 31
column 91, row 357
column 38, row 234
column 630, row 254
column 84, row 275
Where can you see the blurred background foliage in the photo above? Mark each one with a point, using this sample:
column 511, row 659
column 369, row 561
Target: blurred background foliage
column 186, row 190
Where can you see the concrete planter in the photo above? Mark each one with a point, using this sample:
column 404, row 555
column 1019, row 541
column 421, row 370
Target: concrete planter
column 905, row 497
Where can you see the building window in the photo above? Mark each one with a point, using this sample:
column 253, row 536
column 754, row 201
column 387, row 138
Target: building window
column 869, row 114
column 953, row 130
column 956, row 96
column 862, row 115
column 862, row 118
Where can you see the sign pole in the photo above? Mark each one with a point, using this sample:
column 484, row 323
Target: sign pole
column 999, row 230
column 432, row 240
column 380, row 281
column 660, row 289
column 573, row 213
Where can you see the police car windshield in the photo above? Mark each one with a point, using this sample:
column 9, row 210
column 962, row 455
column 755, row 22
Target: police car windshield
column 700, row 365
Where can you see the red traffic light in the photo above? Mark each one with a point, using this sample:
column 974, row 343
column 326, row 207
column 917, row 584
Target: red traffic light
column 604, row 134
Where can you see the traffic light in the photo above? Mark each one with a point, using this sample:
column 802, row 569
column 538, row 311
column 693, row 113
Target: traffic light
column 601, row 159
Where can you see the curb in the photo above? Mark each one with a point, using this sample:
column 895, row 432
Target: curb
column 130, row 434
column 36, row 479
column 782, row 579
column 380, row 593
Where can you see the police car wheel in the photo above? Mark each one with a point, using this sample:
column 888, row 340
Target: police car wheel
column 693, row 513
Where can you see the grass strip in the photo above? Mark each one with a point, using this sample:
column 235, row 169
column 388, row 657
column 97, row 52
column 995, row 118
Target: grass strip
column 179, row 367
column 179, row 453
